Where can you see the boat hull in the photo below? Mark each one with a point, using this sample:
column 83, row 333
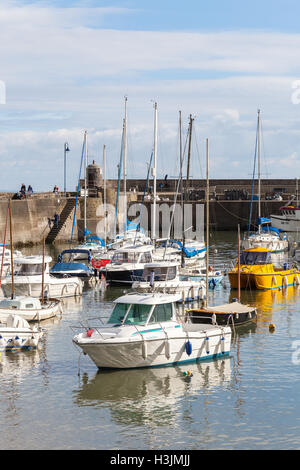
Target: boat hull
column 125, row 277
column 265, row 281
column 56, row 289
column 235, row 319
column 156, row 352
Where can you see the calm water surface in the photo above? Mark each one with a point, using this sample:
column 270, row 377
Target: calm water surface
column 54, row 398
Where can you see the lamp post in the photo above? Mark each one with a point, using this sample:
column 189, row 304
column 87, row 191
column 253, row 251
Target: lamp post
column 66, row 149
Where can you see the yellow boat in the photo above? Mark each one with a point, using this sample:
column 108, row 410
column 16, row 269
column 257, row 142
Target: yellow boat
column 257, row 272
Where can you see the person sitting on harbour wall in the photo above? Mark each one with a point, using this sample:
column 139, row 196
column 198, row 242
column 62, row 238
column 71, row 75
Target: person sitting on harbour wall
column 23, row 191
column 29, row 190
column 55, row 189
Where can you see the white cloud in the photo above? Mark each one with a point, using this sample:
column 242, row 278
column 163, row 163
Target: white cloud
column 65, row 72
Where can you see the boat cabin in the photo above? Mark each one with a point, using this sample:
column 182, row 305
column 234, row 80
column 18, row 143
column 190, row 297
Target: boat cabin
column 20, row 303
column 31, row 265
column 159, row 272
column 255, row 256
column 290, row 211
column 141, row 309
column 134, row 255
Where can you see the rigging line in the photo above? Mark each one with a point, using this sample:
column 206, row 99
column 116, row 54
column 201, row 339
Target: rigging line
column 231, row 213
column 78, row 188
column 264, row 152
column 198, row 152
column 253, row 178
column 119, row 180
column 143, row 199
column 175, row 199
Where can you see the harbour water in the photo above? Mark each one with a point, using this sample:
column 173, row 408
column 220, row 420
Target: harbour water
column 54, row 398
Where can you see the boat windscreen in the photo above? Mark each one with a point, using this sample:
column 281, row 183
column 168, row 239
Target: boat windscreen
column 137, row 314
column 167, row 273
column 118, row 313
column 130, row 314
column 255, row 257
column 29, row 269
column 125, row 257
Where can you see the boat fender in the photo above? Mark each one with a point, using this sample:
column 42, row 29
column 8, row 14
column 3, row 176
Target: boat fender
column 207, row 344
column 33, row 341
column 2, row 341
column 18, row 341
column 296, row 280
column 284, row 282
column 144, row 350
column 222, row 343
column 188, row 347
column 274, row 281
column 89, row 332
column 167, row 349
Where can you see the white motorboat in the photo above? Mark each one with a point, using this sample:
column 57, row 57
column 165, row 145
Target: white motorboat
column 16, row 333
column 30, row 308
column 6, row 257
column 29, row 278
column 93, row 244
column 288, row 219
column 129, row 237
column 127, row 264
column 164, row 277
column 193, row 251
column 196, row 273
column 147, row 330
column 266, row 237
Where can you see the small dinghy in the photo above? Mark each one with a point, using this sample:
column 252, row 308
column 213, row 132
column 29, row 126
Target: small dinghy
column 16, row 333
column 233, row 314
column 30, row 308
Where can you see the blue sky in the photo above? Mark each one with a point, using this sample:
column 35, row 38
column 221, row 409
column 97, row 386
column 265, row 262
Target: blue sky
column 68, row 65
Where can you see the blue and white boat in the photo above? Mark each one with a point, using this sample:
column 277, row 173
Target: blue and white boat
column 193, row 251
column 267, row 236
column 71, row 267
column 215, row 276
column 94, row 244
column 150, row 330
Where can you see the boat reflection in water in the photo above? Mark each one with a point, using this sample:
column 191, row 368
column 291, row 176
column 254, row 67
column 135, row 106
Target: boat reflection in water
column 16, row 365
column 266, row 300
column 150, row 396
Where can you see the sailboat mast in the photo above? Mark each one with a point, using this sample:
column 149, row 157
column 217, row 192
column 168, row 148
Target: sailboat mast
column 11, row 253
column 181, row 187
column 125, row 165
column 154, row 173
column 207, row 220
column 258, row 166
column 43, row 272
column 239, row 264
column 85, row 182
column 104, row 193
column 189, row 158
